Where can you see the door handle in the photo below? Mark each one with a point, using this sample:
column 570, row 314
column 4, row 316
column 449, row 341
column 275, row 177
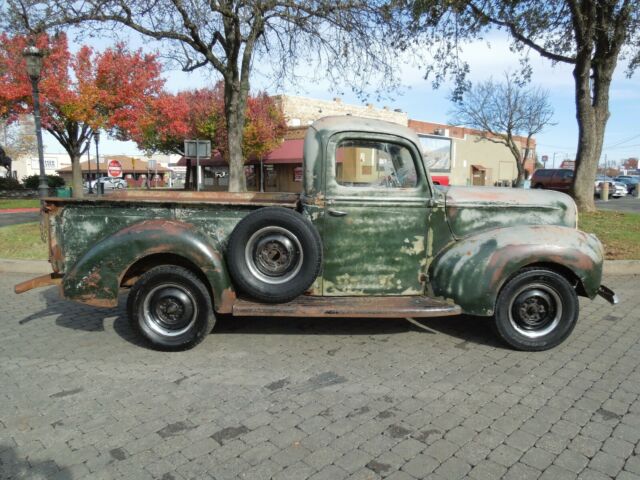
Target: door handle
column 336, row 213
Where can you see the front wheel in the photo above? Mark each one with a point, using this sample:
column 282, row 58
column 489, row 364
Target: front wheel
column 171, row 308
column 536, row 310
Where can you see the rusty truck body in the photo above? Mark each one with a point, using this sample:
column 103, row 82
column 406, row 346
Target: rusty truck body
column 391, row 244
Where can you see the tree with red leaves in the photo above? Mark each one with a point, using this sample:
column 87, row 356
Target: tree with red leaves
column 81, row 93
column 163, row 124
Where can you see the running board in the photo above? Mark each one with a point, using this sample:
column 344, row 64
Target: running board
column 363, row 307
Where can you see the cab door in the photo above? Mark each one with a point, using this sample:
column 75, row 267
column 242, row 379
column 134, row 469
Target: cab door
column 375, row 219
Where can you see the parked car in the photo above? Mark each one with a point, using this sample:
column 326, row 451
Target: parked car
column 616, row 189
column 552, row 179
column 630, row 181
column 110, row 183
column 374, row 240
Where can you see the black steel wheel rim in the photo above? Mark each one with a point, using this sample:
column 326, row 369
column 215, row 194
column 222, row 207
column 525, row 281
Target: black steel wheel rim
column 169, row 309
column 535, row 310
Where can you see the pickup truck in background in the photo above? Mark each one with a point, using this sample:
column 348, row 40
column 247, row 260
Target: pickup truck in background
column 370, row 236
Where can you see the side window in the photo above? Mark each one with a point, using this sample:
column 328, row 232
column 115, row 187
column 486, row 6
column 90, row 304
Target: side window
column 366, row 163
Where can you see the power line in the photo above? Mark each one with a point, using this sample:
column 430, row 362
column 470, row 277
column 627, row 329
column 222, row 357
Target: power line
column 623, row 141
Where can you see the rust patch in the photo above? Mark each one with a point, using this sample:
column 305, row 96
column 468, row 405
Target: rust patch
column 185, row 198
column 227, row 299
column 97, row 302
column 41, row 281
column 356, row 307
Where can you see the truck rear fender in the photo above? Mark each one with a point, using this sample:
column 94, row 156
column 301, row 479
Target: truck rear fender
column 96, row 278
column 472, row 271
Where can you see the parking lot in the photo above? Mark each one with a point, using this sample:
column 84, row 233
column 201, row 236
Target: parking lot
column 624, row 204
column 315, row 398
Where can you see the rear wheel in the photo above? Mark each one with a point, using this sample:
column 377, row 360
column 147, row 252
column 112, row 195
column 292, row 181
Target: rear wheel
column 537, row 309
column 171, row 308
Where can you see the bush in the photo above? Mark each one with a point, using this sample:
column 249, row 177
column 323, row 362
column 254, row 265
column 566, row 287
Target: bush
column 33, row 181
column 9, row 183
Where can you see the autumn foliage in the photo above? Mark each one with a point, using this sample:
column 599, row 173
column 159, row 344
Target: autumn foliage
column 79, row 93
column 164, row 122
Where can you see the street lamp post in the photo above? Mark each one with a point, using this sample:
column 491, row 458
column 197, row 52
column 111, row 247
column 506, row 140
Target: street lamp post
column 96, row 137
column 89, row 165
column 33, row 56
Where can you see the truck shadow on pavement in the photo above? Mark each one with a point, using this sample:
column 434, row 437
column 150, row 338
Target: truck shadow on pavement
column 13, row 467
column 467, row 329
column 84, row 317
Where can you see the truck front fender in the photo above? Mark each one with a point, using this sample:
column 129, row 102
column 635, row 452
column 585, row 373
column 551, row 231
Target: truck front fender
column 472, row 271
column 95, row 279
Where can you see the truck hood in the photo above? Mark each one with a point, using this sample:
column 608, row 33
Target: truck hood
column 475, row 209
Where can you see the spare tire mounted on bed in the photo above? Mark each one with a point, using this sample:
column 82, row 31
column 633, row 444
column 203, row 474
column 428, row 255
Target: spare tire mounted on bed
column 274, row 254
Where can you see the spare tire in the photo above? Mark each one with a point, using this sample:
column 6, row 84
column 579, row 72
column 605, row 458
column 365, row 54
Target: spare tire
column 274, row 254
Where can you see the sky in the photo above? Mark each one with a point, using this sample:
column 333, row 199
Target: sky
column 487, row 58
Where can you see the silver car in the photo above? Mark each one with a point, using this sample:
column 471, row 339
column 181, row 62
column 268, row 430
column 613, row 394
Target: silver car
column 110, row 183
column 616, row 189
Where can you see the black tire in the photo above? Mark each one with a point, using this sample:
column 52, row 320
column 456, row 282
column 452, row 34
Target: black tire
column 539, row 186
column 536, row 310
column 171, row 308
column 274, row 254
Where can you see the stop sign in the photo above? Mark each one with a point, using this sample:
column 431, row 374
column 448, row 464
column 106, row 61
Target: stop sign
column 114, row 169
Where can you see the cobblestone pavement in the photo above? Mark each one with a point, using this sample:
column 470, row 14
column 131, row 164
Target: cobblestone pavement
column 315, row 398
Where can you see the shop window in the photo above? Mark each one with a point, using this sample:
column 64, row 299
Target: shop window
column 365, row 163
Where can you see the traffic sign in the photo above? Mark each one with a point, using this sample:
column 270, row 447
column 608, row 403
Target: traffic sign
column 114, row 169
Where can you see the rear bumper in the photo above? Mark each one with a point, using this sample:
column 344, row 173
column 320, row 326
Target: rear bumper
column 608, row 294
column 41, row 281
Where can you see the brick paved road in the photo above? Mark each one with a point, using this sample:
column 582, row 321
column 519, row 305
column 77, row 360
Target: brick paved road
column 325, row 399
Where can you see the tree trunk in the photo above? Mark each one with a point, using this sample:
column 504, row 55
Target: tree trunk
column 592, row 112
column 76, row 177
column 187, row 177
column 234, row 106
column 517, row 155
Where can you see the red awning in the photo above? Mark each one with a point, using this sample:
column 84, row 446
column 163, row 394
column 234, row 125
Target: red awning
column 290, row 151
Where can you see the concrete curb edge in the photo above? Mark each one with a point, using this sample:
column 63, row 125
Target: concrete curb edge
column 41, row 267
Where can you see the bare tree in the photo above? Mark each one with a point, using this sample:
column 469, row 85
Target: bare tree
column 505, row 112
column 16, row 141
column 344, row 42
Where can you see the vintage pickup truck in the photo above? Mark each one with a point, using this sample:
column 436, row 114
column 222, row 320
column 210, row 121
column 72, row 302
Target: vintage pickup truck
column 370, row 236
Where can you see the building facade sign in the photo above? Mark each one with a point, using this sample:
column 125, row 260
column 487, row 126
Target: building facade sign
column 49, row 163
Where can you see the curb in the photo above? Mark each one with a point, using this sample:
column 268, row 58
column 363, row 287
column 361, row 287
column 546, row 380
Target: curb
column 611, row 267
column 621, row 267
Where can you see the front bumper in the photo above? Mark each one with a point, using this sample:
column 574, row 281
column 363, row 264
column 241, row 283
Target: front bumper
column 608, row 294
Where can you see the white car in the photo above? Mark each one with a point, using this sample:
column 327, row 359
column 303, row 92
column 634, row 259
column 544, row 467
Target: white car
column 110, row 183
column 616, row 189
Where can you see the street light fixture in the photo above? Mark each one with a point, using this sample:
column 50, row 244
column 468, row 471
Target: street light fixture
column 89, row 165
column 33, row 57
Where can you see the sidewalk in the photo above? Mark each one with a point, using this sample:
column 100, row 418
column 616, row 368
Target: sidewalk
column 18, row 210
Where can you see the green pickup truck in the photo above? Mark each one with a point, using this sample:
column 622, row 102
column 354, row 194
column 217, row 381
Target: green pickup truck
column 370, row 237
